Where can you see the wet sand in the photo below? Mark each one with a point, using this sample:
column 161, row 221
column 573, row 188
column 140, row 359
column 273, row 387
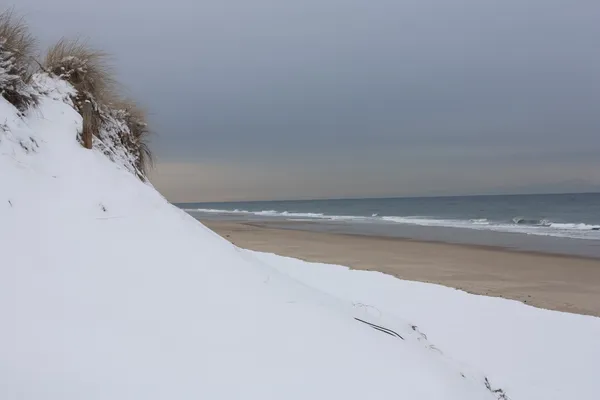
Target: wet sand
column 564, row 283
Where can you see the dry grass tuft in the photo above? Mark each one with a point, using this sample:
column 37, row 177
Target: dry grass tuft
column 87, row 69
column 17, row 47
column 15, row 37
column 118, row 127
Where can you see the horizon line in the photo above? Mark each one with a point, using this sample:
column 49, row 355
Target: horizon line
column 384, row 198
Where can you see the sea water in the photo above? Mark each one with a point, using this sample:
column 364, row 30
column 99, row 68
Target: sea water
column 462, row 219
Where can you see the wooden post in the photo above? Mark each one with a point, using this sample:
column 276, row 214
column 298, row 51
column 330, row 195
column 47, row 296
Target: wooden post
column 87, row 125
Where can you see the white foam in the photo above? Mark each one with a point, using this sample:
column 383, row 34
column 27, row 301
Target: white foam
column 266, row 213
column 274, row 213
column 583, row 227
column 215, row 211
column 564, row 230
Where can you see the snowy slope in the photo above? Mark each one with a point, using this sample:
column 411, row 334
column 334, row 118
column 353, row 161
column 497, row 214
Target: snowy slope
column 109, row 292
column 530, row 352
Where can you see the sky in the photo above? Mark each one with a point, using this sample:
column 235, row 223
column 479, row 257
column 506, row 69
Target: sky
column 276, row 99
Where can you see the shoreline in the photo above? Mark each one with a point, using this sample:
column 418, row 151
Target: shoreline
column 545, row 280
column 281, row 225
column 512, row 241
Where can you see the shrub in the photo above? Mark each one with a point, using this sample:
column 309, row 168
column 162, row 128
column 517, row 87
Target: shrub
column 16, row 54
column 85, row 68
column 136, row 140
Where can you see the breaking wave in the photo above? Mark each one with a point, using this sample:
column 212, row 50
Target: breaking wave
column 264, row 213
column 534, row 222
column 557, row 225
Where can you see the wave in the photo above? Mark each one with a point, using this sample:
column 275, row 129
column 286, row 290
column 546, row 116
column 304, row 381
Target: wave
column 264, row 213
column 531, row 226
column 214, row 211
column 289, row 214
column 541, row 227
column 525, row 221
column 557, row 225
column 582, row 227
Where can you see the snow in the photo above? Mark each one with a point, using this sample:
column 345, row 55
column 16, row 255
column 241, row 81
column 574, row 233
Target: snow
column 529, row 352
column 11, row 71
column 109, row 292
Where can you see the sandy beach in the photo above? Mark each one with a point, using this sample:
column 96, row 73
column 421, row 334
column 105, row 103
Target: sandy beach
column 563, row 283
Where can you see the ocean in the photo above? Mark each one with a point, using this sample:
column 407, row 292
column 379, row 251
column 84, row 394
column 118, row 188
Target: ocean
column 501, row 220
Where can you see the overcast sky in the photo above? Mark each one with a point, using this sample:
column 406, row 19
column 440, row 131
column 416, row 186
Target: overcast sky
column 276, row 99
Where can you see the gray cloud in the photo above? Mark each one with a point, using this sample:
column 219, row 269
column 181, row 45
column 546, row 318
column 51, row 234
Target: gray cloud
column 412, row 97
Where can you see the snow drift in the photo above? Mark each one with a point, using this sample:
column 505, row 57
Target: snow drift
column 529, row 352
column 109, row 292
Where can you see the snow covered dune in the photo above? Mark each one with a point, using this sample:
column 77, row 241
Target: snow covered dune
column 109, row 292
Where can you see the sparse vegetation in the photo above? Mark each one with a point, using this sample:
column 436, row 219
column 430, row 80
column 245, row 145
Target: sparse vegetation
column 87, row 69
column 119, row 126
column 137, row 121
column 17, row 47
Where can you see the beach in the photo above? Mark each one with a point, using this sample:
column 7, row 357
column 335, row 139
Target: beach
column 556, row 282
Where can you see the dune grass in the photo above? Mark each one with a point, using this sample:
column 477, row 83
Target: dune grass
column 89, row 71
column 17, row 52
column 113, row 120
